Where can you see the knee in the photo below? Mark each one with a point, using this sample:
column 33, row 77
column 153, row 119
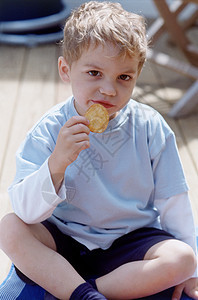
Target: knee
column 183, row 262
column 9, row 232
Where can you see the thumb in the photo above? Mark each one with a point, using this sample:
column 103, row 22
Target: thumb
column 177, row 292
column 193, row 294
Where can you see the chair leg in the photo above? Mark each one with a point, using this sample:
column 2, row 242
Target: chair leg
column 187, row 103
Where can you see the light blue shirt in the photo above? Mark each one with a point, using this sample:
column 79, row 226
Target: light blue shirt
column 112, row 188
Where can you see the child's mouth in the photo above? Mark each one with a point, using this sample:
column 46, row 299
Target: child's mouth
column 106, row 104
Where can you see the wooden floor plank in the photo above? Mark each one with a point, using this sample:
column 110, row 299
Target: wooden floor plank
column 11, row 68
column 36, row 94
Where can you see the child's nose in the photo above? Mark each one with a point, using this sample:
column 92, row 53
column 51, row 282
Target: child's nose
column 108, row 88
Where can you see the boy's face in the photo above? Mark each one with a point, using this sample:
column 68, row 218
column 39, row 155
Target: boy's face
column 100, row 76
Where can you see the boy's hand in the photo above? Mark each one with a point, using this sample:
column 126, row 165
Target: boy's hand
column 72, row 139
column 190, row 287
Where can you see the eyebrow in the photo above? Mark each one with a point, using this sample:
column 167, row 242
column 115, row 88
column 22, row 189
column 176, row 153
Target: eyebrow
column 93, row 66
column 131, row 71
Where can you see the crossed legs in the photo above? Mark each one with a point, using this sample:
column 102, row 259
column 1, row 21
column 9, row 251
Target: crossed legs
column 32, row 249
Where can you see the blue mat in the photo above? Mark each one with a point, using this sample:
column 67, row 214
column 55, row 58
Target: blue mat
column 13, row 288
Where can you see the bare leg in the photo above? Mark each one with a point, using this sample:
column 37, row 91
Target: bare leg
column 32, row 249
column 166, row 264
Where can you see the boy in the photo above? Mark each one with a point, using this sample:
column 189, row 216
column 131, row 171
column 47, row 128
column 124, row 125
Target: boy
column 100, row 216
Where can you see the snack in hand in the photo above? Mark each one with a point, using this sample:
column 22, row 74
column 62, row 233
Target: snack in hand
column 98, row 118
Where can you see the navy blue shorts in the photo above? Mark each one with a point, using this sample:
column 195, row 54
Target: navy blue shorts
column 95, row 263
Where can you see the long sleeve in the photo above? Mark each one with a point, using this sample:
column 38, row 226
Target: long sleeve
column 177, row 218
column 32, row 193
column 34, row 198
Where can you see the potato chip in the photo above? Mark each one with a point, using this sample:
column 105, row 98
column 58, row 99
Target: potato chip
column 98, row 117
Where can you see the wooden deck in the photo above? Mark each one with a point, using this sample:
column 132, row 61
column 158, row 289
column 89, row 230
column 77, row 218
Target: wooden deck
column 30, row 85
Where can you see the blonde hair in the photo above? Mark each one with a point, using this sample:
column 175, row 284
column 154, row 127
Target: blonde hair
column 95, row 23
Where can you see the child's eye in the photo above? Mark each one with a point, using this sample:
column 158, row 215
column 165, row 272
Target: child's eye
column 94, row 73
column 125, row 77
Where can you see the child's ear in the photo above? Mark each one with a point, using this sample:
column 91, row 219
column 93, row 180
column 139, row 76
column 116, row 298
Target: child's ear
column 64, row 69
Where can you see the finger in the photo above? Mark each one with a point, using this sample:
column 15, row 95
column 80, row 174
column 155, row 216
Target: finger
column 193, row 294
column 81, row 146
column 80, row 137
column 79, row 128
column 177, row 292
column 76, row 120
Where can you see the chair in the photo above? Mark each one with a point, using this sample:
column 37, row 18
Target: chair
column 169, row 21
